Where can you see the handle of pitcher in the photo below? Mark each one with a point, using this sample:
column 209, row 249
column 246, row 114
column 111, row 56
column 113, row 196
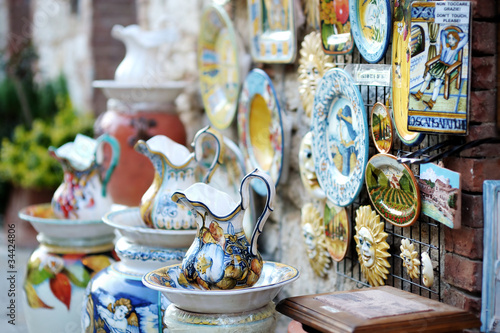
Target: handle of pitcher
column 115, row 156
column 268, row 208
column 219, row 149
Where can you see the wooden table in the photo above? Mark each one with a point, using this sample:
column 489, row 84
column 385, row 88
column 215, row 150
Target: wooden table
column 379, row 309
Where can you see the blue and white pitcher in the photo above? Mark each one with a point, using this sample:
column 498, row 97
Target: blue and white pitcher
column 175, row 170
column 221, row 256
column 83, row 195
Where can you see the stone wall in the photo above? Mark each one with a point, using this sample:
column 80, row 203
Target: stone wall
column 4, row 24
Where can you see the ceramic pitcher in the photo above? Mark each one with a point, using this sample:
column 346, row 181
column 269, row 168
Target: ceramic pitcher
column 175, row 168
column 83, row 195
column 221, row 256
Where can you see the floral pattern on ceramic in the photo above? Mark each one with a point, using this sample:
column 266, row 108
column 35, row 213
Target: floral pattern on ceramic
column 55, row 282
column 315, row 239
column 221, row 256
column 260, row 128
column 340, row 139
column 272, row 31
column 371, row 245
column 175, row 168
column 83, row 194
column 371, row 27
column 172, row 282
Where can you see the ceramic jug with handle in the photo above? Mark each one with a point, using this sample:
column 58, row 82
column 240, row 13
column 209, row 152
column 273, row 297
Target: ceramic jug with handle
column 221, row 256
column 83, row 194
column 175, row 168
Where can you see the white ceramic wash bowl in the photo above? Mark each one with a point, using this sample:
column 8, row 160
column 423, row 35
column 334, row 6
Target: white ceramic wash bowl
column 139, row 92
column 42, row 218
column 273, row 278
column 129, row 224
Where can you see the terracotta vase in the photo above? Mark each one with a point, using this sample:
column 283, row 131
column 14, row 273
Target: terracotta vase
column 134, row 172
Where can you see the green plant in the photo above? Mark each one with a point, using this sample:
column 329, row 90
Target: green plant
column 24, row 159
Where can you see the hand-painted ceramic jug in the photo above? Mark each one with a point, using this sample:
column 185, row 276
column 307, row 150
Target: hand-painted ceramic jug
column 174, row 170
column 83, row 195
column 221, row 256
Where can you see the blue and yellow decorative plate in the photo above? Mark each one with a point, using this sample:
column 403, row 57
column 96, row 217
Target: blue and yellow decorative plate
column 260, row 128
column 272, row 31
column 340, row 137
column 371, row 27
column 218, row 66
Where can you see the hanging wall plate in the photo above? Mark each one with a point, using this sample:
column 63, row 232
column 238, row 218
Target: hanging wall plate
column 335, row 26
column 401, row 72
column 272, row 31
column 260, row 128
column 340, row 137
column 393, row 190
column 371, row 27
column 337, row 230
column 381, row 126
column 218, row 66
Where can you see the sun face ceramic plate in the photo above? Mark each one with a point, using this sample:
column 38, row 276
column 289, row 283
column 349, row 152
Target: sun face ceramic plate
column 337, row 230
column 381, row 125
column 260, row 128
column 272, row 31
column 393, row 190
column 340, row 137
column 218, row 66
column 401, row 40
column 173, row 284
column 371, row 27
column 335, row 26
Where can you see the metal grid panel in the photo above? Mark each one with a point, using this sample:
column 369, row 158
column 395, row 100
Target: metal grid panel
column 425, row 233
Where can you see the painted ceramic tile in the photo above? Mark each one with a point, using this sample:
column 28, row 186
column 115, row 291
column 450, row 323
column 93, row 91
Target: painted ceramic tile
column 393, row 190
column 337, row 230
column 260, row 129
column 371, row 27
column 439, row 79
column 340, row 140
column 401, row 72
column 441, row 194
column 335, row 26
column 272, row 30
column 381, row 126
column 218, row 66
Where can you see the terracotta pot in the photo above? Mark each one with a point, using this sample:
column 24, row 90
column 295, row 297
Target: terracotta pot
column 134, row 172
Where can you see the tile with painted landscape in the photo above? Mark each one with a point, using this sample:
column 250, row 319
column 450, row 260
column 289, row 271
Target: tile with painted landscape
column 441, row 194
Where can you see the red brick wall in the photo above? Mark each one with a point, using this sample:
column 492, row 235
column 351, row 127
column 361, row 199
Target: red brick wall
column 107, row 51
column 463, row 265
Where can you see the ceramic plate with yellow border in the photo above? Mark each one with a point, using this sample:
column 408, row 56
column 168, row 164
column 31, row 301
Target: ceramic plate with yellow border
column 218, row 66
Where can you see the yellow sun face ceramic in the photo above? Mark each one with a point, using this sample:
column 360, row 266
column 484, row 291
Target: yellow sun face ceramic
column 427, row 270
column 410, row 258
column 307, row 171
column 315, row 239
column 313, row 64
column 371, row 246
column 311, row 9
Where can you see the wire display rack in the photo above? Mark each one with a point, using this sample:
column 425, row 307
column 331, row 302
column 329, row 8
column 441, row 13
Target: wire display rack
column 425, row 233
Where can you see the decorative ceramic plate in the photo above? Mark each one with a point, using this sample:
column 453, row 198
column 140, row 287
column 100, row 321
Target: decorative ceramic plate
column 260, row 128
column 218, row 66
column 400, row 91
column 393, row 190
column 335, row 26
column 381, row 125
column 340, row 137
column 337, row 230
column 173, row 284
column 129, row 224
column 42, row 218
column 371, row 27
column 272, row 30
column 165, row 92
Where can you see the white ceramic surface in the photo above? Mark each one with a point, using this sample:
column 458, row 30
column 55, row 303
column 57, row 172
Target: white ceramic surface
column 273, row 278
column 129, row 224
column 143, row 93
